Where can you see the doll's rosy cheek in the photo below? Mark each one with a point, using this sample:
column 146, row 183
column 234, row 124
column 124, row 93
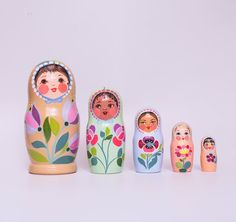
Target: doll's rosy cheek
column 97, row 112
column 186, row 137
column 178, row 138
column 43, row 89
column 62, row 87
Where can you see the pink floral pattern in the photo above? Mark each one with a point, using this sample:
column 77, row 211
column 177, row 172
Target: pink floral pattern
column 119, row 137
column 148, row 144
column 92, row 137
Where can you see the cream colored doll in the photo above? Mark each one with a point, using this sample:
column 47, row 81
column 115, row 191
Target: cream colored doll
column 182, row 148
column 52, row 120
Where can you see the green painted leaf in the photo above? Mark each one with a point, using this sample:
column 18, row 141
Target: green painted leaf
column 143, row 156
column 109, row 137
column 119, row 162
column 38, row 157
column 187, row 165
column 179, row 165
column 62, row 142
column 119, row 153
column 93, row 151
column 47, row 130
column 89, row 154
column 160, row 147
column 94, row 161
column 55, row 126
column 152, row 162
column 64, row 160
column 141, row 161
column 38, row 144
column 102, row 134
column 107, row 131
column 183, row 170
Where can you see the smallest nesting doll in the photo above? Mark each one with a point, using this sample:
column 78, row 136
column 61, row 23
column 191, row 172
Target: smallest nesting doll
column 182, row 148
column 208, row 155
column 148, row 142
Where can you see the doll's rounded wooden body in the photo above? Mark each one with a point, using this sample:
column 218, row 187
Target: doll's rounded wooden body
column 208, row 155
column 105, row 133
column 52, row 120
column 182, row 148
column 148, row 142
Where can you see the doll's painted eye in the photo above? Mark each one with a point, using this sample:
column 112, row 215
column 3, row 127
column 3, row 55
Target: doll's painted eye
column 60, row 80
column 44, row 81
column 110, row 105
column 98, row 106
column 186, row 133
column 142, row 122
column 153, row 122
column 178, row 133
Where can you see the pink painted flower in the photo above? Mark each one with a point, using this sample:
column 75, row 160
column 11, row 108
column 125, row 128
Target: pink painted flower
column 120, row 135
column 70, row 113
column 32, row 121
column 73, row 143
column 148, row 144
column 183, row 151
column 91, row 136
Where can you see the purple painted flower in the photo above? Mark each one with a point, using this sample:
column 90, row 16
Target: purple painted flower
column 120, row 135
column 32, row 121
column 73, row 143
column 70, row 113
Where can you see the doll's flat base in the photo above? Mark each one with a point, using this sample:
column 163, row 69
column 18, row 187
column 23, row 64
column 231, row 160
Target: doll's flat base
column 146, row 172
column 53, row 169
column 101, row 173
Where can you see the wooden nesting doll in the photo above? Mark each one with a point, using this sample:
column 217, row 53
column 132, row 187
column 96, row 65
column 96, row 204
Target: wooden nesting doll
column 182, row 148
column 52, row 120
column 208, row 155
column 148, row 142
column 105, row 133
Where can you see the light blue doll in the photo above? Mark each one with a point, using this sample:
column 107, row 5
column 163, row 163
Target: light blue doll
column 148, row 142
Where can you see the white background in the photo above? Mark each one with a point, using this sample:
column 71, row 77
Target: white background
column 175, row 56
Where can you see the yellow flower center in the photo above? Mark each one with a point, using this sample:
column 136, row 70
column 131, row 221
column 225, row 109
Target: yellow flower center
column 184, row 151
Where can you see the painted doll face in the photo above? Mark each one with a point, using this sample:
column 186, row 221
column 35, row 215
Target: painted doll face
column 105, row 107
column 148, row 122
column 52, row 84
column 182, row 133
column 209, row 143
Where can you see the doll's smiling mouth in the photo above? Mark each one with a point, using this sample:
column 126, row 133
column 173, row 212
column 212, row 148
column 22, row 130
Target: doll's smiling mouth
column 54, row 89
column 105, row 113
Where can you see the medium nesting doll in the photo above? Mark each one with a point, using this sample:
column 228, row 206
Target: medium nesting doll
column 52, row 120
column 105, row 133
column 208, row 155
column 148, row 142
column 182, row 148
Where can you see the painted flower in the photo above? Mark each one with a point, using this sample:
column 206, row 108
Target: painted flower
column 70, row 113
column 211, row 158
column 183, row 151
column 73, row 143
column 91, row 136
column 148, row 144
column 119, row 135
column 32, row 121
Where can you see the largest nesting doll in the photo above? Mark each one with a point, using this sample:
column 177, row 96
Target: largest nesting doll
column 52, row 120
column 105, row 133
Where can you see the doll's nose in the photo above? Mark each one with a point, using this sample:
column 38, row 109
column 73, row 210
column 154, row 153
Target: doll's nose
column 182, row 138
